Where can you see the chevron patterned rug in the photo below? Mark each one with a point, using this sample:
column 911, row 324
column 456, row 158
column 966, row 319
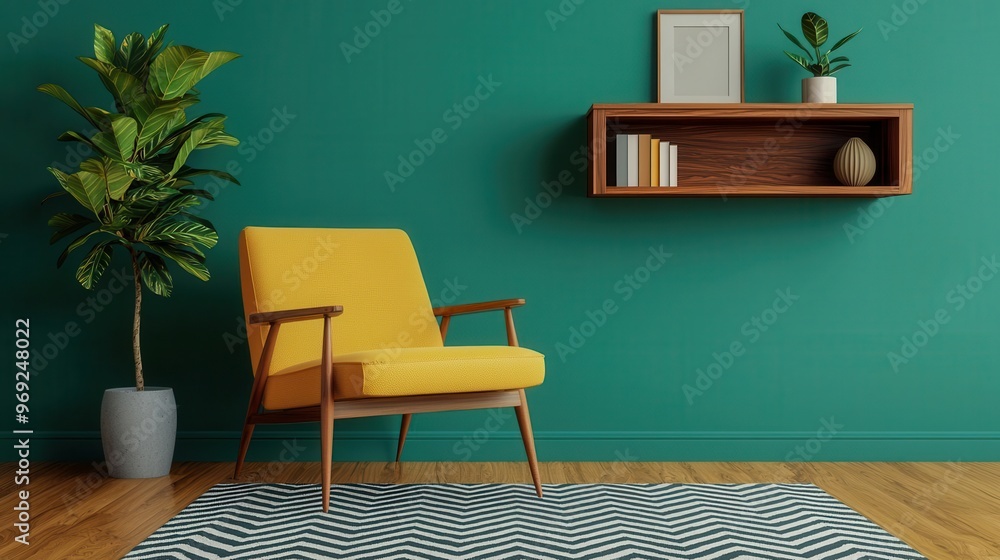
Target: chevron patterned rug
column 731, row 521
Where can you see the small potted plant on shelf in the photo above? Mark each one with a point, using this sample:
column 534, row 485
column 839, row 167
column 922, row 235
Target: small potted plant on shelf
column 135, row 195
column 822, row 87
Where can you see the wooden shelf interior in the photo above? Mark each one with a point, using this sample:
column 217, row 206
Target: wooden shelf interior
column 757, row 152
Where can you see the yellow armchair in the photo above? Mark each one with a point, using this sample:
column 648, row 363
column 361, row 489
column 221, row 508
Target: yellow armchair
column 384, row 354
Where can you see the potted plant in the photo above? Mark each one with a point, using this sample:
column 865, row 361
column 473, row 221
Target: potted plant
column 822, row 87
column 135, row 194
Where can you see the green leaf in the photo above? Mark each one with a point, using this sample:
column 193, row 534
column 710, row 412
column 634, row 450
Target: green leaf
column 191, row 263
column 173, row 132
column 107, row 145
column 815, row 29
column 94, row 264
column 183, row 233
column 71, row 136
column 96, row 188
column 125, row 131
column 104, row 44
column 74, row 186
column 155, row 123
column 50, row 196
column 799, row 60
column 218, row 138
column 76, row 244
column 838, row 69
column 66, row 224
column 178, row 68
column 115, row 178
column 192, row 172
column 155, row 41
column 795, row 40
column 155, row 275
column 132, row 54
column 61, row 94
column 844, row 41
column 200, row 193
column 123, row 86
column 215, row 60
column 838, row 59
column 142, row 171
column 196, row 136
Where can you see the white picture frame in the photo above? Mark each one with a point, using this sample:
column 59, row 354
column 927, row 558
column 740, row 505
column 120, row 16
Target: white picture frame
column 700, row 56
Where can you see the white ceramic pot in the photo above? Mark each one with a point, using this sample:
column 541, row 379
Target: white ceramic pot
column 819, row 90
column 138, row 430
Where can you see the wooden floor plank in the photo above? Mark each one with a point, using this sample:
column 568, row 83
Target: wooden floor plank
column 944, row 510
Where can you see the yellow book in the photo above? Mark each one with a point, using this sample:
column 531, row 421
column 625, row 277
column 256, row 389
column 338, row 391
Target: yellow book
column 654, row 162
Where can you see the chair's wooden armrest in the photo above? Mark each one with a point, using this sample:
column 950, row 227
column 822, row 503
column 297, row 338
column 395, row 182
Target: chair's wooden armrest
column 289, row 315
column 450, row 310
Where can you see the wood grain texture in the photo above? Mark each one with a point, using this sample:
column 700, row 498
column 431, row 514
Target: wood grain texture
column 466, row 308
column 757, row 149
column 944, row 510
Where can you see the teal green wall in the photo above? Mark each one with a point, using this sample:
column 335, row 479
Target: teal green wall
column 862, row 282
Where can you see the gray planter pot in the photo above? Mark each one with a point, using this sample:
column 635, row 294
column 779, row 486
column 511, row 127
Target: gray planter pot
column 138, row 430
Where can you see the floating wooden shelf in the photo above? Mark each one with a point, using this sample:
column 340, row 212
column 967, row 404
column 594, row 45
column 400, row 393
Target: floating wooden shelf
column 751, row 149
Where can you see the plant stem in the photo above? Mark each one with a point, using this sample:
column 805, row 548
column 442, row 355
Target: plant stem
column 140, row 384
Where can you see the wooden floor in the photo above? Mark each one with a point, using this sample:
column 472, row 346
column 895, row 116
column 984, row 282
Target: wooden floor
column 944, row 510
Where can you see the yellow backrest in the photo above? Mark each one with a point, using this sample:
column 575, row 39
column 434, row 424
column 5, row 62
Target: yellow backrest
column 373, row 273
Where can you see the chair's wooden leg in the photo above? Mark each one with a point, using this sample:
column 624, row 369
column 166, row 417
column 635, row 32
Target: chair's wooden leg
column 256, row 396
column 404, row 427
column 326, row 413
column 524, row 422
column 244, row 445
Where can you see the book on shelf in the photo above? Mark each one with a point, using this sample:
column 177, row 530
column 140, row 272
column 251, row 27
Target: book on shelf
column 621, row 161
column 665, row 163
column 644, row 146
column 633, row 160
column 644, row 161
column 654, row 163
column 673, row 165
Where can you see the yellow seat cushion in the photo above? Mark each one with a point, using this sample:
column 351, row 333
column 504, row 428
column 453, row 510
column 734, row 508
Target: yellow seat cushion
column 395, row 372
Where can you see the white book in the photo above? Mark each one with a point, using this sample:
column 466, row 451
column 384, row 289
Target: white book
column 664, row 164
column 621, row 161
column 633, row 160
column 673, row 165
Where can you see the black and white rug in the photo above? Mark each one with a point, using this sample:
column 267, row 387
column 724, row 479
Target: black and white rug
column 731, row 521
